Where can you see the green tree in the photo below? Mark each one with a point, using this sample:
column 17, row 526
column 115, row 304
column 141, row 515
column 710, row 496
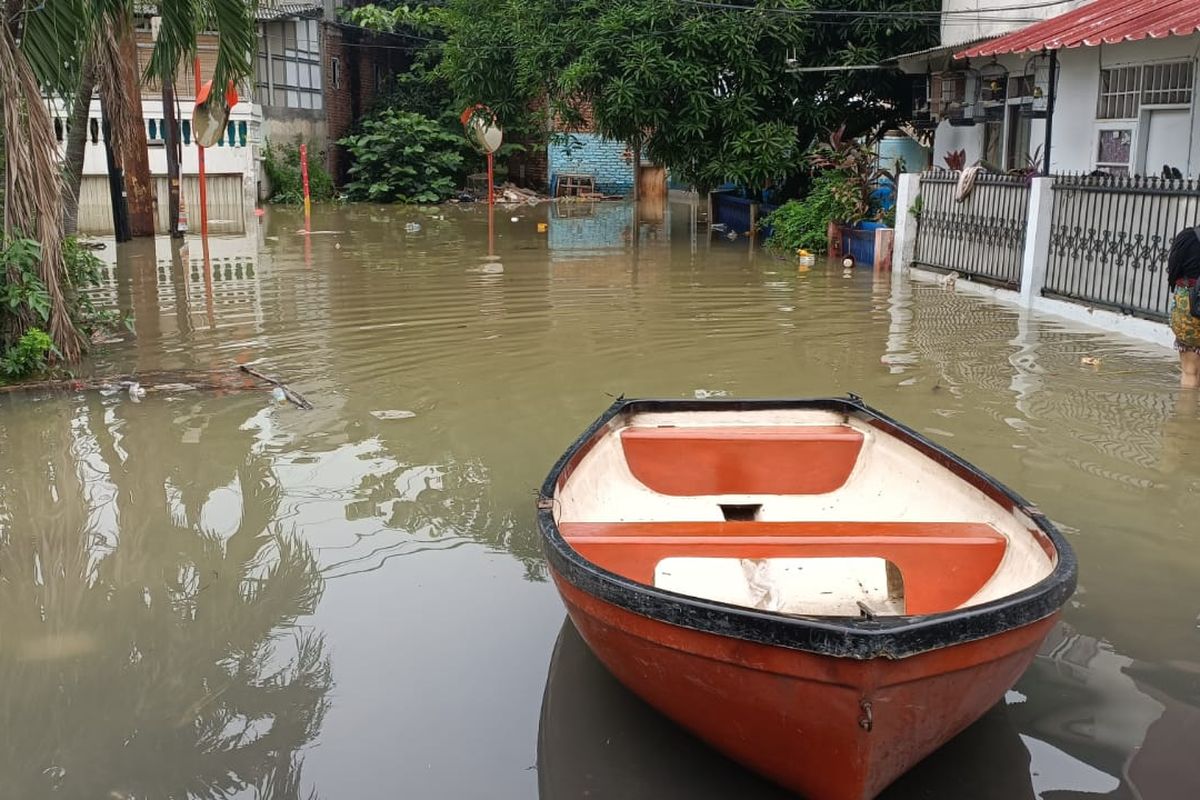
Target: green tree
column 403, row 157
column 421, row 88
column 704, row 89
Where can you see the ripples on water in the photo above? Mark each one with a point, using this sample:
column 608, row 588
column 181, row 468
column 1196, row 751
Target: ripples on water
column 207, row 595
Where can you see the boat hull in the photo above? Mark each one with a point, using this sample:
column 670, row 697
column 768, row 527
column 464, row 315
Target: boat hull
column 826, row 727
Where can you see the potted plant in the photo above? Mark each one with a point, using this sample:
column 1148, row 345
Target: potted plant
column 861, row 187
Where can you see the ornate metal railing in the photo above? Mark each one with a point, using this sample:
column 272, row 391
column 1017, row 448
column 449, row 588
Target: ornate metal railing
column 1110, row 237
column 982, row 236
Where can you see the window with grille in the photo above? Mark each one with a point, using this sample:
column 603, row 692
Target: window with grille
column 1167, row 84
column 1124, row 90
column 1120, row 90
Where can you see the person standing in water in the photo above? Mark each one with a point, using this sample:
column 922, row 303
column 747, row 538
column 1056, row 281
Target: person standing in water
column 1183, row 272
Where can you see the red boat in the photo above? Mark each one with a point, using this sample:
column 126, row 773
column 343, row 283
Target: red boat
column 810, row 587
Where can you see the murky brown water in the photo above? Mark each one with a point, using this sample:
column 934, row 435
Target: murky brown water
column 207, row 595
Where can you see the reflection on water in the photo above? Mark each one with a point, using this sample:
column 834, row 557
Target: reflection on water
column 145, row 651
column 1104, row 733
column 184, row 578
column 598, row 740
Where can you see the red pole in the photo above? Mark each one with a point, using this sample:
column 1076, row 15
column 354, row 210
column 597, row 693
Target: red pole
column 491, row 230
column 200, row 155
column 304, row 178
column 491, row 182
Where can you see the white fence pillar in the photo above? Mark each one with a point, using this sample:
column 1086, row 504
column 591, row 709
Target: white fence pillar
column 1037, row 240
column 905, row 246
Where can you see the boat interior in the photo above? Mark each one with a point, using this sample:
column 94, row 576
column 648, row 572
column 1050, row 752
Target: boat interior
column 795, row 511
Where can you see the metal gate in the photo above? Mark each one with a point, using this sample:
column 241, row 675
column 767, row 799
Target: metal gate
column 983, row 236
column 1110, row 237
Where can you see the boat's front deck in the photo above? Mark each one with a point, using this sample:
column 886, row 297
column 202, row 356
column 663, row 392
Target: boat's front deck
column 800, row 511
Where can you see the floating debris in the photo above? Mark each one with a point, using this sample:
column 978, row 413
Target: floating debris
column 511, row 193
column 293, row 397
column 393, row 414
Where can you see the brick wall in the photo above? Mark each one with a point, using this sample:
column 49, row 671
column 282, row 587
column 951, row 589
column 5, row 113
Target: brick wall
column 339, row 109
column 366, row 62
column 609, row 162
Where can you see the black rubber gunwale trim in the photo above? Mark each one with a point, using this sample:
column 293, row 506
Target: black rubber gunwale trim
column 856, row 638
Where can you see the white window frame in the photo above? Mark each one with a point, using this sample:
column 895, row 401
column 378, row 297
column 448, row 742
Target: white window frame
column 1104, row 125
column 1139, row 121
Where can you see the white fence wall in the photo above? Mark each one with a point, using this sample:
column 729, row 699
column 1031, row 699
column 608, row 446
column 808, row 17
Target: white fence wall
column 1048, row 245
column 231, row 168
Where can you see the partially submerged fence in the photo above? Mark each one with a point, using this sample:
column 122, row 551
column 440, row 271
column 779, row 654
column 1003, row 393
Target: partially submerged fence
column 1110, row 237
column 982, row 235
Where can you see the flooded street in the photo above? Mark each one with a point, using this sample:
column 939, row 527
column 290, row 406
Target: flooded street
column 209, row 595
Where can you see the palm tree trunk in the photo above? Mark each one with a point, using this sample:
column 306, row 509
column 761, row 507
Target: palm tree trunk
column 77, row 131
column 171, row 140
column 33, row 186
column 121, row 92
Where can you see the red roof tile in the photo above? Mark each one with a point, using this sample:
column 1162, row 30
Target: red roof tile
column 1099, row 22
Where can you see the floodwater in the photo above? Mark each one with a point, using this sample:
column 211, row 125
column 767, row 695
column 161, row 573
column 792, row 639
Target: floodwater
column 204, row 594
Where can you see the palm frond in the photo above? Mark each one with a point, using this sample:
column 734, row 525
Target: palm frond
column 182, row 23
column 180, row 29
column 234, row 22
column 53, row 39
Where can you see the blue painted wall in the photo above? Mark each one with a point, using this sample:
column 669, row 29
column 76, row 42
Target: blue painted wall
column 591, row 154
column 892, row 148
column 591, row 226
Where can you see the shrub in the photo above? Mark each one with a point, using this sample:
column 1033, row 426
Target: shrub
column 25, row 347
column 282, row 165
column 22, row 291
column 400, row 156
column 804, row 224
column 83, row 272
column 29, row 355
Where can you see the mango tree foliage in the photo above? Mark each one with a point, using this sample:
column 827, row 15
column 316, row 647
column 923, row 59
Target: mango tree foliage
column 707, row 91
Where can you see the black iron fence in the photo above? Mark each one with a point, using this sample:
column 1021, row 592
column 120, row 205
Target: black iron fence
column 982, row 235
column 1110, row 237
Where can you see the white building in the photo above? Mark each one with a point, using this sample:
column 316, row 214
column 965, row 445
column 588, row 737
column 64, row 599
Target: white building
column 1124, row 101
column 315, row 77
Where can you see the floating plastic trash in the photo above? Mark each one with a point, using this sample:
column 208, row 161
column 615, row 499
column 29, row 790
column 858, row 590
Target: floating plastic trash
column 394, row 414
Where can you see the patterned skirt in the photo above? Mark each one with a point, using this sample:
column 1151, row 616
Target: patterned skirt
column 1183, row 324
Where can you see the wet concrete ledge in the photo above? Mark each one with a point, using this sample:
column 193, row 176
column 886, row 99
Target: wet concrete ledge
column 1144, row 330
